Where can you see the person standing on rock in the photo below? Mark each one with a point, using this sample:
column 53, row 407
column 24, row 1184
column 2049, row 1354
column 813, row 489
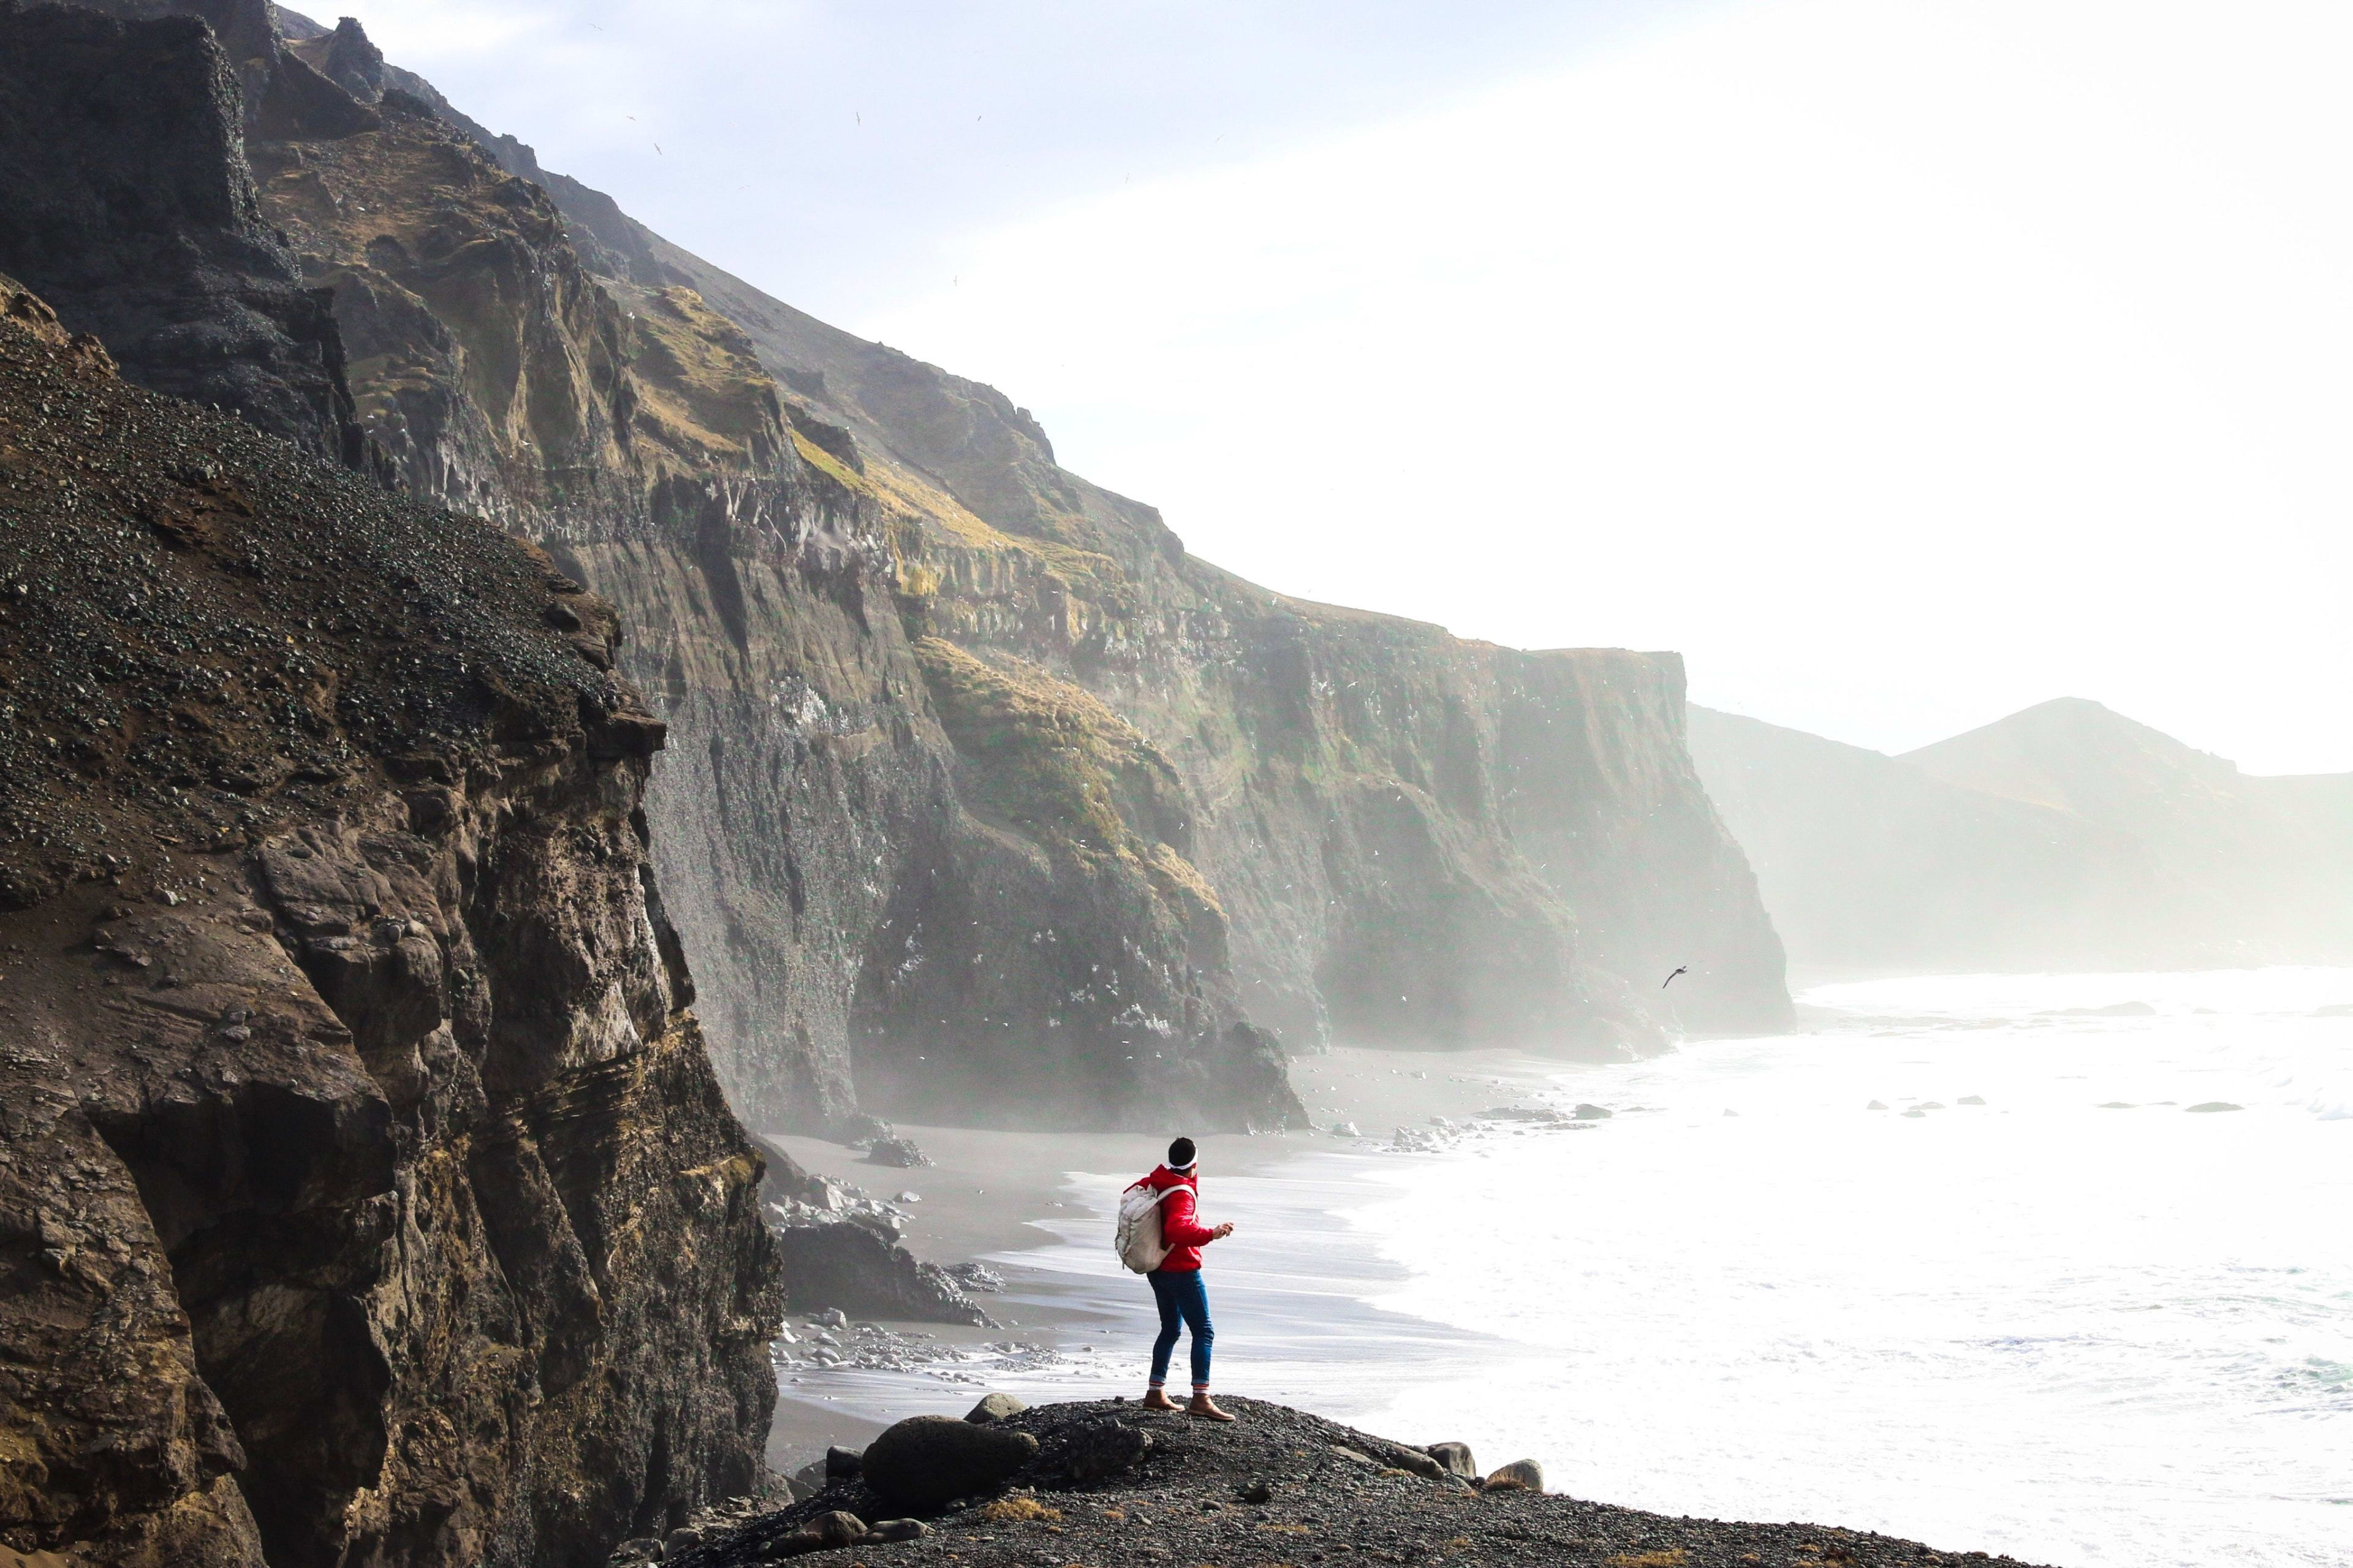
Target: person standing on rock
column 1176, row 1283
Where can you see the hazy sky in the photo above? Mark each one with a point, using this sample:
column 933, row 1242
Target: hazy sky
column 1902, row 361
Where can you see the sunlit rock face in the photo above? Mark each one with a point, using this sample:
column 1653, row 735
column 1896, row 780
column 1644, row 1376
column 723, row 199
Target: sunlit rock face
column 367, row 1192
column 1415, row 839
column 984, row 797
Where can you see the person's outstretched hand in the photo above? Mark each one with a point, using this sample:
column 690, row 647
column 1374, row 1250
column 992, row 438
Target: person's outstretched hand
column 1225, row 1230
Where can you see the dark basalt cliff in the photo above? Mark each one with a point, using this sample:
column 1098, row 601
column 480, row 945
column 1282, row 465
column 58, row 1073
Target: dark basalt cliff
column 984, row 799
column 366, row 1192
column 125, row 203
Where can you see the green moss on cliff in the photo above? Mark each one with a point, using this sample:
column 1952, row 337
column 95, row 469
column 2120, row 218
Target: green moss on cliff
column 1048, row 760
column 700, row 385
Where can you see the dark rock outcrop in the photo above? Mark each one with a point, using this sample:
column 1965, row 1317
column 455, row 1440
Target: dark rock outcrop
column 1456, row 1457
column 857, row 1268
column 1092, row 1452
column 125, row 201
column 1280, row 1482
column 366, row 1192
column 926, row 1462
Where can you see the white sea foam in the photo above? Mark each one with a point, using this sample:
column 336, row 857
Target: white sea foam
column 2077, row 1334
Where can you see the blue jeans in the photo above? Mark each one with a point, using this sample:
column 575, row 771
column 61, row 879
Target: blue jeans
column 1182, row 1303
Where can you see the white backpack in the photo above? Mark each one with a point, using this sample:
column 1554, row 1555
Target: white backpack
column 1138, row 1241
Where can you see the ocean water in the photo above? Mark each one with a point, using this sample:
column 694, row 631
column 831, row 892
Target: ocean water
column 2079, row 1323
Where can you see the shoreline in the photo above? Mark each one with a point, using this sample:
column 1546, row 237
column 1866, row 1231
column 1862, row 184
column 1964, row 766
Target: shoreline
column 1004, row 1197
column 1630, row 1304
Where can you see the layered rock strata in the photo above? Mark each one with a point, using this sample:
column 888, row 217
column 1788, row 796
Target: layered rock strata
column 366, row 1191
column 1562, row 853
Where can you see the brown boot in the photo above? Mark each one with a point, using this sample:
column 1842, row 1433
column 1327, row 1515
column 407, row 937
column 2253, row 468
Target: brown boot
column 1153, row 1399
column 1205, row 1408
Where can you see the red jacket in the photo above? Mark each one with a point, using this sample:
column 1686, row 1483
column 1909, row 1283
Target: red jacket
column 1185, row 1234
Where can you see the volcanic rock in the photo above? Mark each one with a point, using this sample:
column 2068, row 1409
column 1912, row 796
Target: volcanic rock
column 1097, row 1450
column 852, row 1266
column 126, row 202
column 933, row 727
column 1305, row 1504
column 926, row 1462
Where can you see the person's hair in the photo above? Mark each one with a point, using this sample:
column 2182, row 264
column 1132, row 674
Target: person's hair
column 1180, row 1153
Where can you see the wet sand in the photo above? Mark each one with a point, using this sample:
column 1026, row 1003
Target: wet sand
column 996, row 1195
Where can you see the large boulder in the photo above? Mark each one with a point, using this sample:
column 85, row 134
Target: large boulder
column 926, row 1462
column 995, row 1407
column 1427, row 1467
column 1520, row 1475
column 1456, row 1457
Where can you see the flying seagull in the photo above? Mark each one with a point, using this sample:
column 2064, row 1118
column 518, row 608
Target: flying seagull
column 1670, row 979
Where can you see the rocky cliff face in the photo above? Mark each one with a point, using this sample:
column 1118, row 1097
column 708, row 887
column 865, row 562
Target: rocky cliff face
column 820, row 856
column 1557, row 843
column 125, row 201
column 985, row 798
column 366, row 1192
column 986, row 785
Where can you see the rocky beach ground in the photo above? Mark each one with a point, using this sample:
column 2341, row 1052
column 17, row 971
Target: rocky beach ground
column 1105, row 1484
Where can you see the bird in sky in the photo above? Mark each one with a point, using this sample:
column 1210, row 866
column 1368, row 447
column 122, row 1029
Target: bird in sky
column 1670, row 979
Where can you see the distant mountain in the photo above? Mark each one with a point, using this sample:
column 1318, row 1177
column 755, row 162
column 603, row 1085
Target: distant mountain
column 2065, row 836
